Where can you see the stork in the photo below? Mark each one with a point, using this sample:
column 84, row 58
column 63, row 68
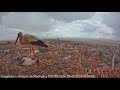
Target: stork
column 31, row 41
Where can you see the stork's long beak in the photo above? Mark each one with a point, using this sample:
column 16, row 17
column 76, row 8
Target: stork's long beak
column 16, row 40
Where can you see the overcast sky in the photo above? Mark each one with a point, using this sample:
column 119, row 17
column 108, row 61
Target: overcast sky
column 101, row 25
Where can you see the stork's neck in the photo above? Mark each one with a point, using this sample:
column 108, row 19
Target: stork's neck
column 20, row 39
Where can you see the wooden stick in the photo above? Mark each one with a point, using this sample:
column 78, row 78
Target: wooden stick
column 113, row 61
column 34, row 53
column 30, row 53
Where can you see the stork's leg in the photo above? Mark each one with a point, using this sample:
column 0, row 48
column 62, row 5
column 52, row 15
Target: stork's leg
column 20, row 52
column 34, row 53
column 30, row 53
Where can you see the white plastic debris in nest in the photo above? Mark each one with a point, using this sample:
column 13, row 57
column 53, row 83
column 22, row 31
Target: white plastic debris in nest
column 68, row 57
column 36, row 51
column 6, row 50
column 28, row 61
column 53, row 45
column 19, row 54
column 56, row 52
column 26, row 48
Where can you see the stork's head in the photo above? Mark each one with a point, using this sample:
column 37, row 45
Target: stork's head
column 18, row 36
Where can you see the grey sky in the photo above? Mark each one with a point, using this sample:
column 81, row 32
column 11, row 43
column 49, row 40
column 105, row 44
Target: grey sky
column 103, row 25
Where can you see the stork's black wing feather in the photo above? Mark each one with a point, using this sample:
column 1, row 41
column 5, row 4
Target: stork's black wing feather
column 35, row 41
column 39, row 43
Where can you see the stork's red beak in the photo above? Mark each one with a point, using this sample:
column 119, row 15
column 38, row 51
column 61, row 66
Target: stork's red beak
column 16, row 40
